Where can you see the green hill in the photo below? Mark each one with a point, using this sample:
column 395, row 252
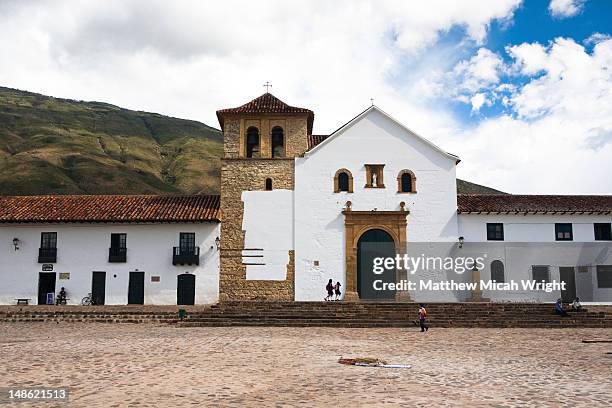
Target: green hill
column 60, row 146
column 465, row 187
column 51, row 145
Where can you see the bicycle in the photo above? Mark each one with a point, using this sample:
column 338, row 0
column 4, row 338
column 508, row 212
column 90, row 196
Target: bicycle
column 88, row 300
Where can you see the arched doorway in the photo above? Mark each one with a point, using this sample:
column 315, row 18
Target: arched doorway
column 374, row 243
column 185, row 291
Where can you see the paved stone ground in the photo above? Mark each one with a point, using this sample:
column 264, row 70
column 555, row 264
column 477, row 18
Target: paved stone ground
column 116, row 365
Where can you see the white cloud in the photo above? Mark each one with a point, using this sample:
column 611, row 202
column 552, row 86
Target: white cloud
column 472, row 81
column 597, row 38
column 480, row 71
column 190, row 58
column 560, row 140
column 477, row 101
column 565, row 8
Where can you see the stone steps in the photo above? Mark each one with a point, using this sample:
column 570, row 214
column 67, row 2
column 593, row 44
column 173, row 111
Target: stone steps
column 303, row 314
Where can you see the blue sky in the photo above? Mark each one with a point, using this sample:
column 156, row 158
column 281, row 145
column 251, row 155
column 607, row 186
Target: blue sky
column 531, row 22
column 510, row 86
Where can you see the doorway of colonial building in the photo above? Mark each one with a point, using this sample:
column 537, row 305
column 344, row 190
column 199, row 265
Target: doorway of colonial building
column 46, row 285
column 136, row 288
column 369, row 234
column 372, row 244
column 568, row 276
column 185, row 290
column 98, row 287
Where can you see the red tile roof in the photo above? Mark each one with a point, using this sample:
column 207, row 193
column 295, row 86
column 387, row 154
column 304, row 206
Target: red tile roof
column 314, row 140
column 109, row 208
column 266, row 103
column 525, row 204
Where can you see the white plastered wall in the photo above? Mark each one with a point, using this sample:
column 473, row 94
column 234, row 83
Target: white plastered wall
column 530, row 240
column 268, row 226
column 319, row 223
column 83, row 248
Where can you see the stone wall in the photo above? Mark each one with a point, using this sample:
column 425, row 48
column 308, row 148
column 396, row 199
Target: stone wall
column 231, row 138
column 295, row 131
column 240, row 175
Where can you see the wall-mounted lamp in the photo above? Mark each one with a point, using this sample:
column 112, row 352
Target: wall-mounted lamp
column 461, row 242
column 16, row 243
column 218, row 243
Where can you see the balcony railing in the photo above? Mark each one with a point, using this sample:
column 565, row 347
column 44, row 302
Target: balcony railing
column 117, row 254
column 47, row 255
column 186, row 256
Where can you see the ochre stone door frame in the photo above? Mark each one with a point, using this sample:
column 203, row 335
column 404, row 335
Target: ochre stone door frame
column 356, row 223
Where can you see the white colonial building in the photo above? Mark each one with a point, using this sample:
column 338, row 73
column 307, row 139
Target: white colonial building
column 297, row 210
column 121, row 249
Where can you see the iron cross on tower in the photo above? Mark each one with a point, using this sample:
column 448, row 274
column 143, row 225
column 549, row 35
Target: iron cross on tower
column 267, row 85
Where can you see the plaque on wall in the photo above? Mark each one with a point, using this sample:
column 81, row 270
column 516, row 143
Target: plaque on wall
column 155, row 279
column 64, row 275
column 47, row 267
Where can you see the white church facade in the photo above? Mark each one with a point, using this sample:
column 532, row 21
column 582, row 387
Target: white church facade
column 297, row 210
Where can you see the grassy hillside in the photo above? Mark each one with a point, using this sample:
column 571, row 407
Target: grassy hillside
column 465, row 187
column 51, row 145
column 59, row 146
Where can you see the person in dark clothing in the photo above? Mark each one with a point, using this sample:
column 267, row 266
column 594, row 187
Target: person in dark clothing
column 330, row 290
column 422, row 316
column 61, row 297
column 559, row 308
column 337, row 290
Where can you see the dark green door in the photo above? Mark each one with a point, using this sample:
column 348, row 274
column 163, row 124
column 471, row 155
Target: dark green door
column 185, row 291
column 98, row 287
column 569, row 277
column 136, row 288
column 374, row 244
column 46, row 284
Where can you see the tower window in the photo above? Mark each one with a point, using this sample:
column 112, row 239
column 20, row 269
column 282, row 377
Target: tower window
column 252, row 142
column 406, row 182
column 278, row 142
column 343, row 181
column 268, row 184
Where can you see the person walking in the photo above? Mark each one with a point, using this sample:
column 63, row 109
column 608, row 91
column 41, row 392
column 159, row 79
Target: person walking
column 330, row 290
column 337, row 290
column 422, row 316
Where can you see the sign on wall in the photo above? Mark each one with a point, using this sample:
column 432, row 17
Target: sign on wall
column 47, row 267
column 155, row 278
column 64, row 275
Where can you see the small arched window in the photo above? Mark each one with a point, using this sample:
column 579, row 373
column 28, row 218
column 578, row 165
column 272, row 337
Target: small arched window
column 252, row 142
column 497, row 271
column 278, row 142
column 406, row 182
column 268, row 184
column 343, row 181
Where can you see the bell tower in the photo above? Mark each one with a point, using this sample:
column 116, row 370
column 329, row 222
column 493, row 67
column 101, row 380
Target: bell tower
column 260, row 141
